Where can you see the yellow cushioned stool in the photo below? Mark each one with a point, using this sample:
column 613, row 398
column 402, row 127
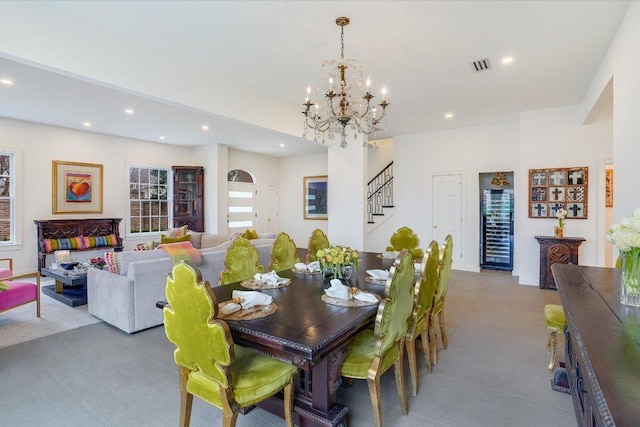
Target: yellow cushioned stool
column 554, row 317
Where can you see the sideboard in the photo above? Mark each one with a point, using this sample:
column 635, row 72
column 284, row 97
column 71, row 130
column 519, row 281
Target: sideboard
column 563, row 250
column 602, row 354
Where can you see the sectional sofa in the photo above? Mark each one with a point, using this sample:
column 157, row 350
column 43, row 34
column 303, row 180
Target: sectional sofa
column 127, row 298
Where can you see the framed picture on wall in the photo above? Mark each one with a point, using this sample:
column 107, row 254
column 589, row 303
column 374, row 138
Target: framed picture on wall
column 560, row 188
column 608, row 188
column 314, row 197
column 77, row 187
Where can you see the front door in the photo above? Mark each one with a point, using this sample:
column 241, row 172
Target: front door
column 242, row 206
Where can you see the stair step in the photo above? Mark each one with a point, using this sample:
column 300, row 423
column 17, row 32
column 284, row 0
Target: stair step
column 380, row 214
column 370, row 222
column 388, row 206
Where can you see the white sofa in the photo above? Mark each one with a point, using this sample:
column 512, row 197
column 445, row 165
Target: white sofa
column 128, row 300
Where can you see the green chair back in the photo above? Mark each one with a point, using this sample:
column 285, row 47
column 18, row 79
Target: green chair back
column 202, row 342
column 242, row 261
column 283, row 253
column 395, row 310
column 446, row 254
column 318, row 240
column 405, row 238
column 425, row 289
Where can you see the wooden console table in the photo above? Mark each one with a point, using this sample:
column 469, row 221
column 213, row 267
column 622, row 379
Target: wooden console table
column 556, row 250
column 602, row 346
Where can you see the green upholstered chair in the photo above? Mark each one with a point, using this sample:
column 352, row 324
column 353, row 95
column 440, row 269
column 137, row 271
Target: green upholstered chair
column 283, row 253
column 424, row 293
column 210, row 366
column 405, row 238
column 444, row 274
column 372, row 352
column 242, row 261
column 555, row 320
column 318, row 240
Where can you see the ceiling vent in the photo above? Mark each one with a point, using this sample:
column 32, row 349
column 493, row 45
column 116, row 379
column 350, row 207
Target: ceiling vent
column 481, row 65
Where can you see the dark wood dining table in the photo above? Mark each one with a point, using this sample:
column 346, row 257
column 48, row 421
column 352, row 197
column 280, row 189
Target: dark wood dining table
column 311, row 334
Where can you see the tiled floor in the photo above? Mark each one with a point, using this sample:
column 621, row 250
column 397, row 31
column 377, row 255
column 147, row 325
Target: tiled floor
column 493, row 373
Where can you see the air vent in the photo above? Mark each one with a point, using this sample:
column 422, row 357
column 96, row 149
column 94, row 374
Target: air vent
column 481, row 65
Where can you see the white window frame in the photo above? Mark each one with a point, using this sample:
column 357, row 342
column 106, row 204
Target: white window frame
column 169, row 199
column 14, row 239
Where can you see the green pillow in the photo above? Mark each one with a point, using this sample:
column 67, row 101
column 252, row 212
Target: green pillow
column 164, row 239
column 250, row 234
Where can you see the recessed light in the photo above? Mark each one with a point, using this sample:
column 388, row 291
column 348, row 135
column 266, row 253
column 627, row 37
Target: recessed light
column 507, row 60
column 205, row 127
column 6, row 82
column 161, row 137
column 129, row 111
column 448, row 115
column 281, row 145
column 87, row 124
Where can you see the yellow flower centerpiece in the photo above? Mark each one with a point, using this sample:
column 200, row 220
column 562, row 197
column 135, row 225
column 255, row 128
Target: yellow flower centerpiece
column 626, row 236
column 339, row 260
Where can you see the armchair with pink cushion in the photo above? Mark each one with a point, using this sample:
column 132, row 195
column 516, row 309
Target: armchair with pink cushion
column 6, row 267
column 18, row 290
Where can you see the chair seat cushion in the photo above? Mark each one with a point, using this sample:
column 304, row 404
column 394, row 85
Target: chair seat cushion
column 362, row 352
column 254, row 377
column 554, row 316
column 18, row 293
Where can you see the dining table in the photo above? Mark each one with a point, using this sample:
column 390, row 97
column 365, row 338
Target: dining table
column 311, row 334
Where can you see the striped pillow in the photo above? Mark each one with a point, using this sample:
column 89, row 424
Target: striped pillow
column 112, row 260
column 172, row 233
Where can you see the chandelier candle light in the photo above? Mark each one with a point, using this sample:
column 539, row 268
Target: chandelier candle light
column 345, row 104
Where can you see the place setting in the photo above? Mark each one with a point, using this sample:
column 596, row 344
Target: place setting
column 377, row 276
column 311, row 268
column 269, row 280
column 388, row 255
column 347, row 296
column 247, row 305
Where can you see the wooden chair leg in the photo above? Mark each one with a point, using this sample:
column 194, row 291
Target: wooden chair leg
column 398, row 369
column 413, row 365
column 38, row 294
column 288, row 404
column 443, row 329
column 186, row 398
column 552, row 345
column 426, row 348
column 433, row 343
column 376, row 404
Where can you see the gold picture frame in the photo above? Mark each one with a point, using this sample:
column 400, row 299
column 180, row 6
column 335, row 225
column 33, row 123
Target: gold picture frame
column 314, row 197
column 77, row 187
column 559, row 188
column 608, row 188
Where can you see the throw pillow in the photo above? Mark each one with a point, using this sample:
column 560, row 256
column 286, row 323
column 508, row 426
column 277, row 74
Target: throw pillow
column 164, row 239
column 146, row 246
column 112, row 261
column 196, row 239
column 249, row 234
column 177, row 232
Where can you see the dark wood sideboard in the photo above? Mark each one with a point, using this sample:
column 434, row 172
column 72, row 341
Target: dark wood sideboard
column 602, row 355
column 556, row 250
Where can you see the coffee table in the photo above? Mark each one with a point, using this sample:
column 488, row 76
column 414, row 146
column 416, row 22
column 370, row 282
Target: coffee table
column 70, row 289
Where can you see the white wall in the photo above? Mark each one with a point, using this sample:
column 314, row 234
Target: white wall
column 292, row 172
column 40, row 144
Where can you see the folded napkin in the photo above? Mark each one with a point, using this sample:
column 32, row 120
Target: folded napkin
column 270, row 279
column 378, row 274
column 390, row 254
column 312, row 267
column 340, row 291
column 248, row 299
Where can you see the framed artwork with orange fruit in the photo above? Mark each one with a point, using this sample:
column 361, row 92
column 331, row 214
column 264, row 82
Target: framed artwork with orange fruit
column 77, row 187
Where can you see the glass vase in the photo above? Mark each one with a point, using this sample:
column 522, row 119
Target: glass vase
column 558, row 232
column 630, row 277
column 347, row 271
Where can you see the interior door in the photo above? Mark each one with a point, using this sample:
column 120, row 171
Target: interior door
column 242, row 206
column 273, row 214
column 447, row 211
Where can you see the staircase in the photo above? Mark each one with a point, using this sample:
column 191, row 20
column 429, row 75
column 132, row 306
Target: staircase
column 380, row 194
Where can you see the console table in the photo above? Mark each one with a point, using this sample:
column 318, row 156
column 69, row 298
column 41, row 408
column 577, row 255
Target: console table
column 602, row 346
column 556, row 250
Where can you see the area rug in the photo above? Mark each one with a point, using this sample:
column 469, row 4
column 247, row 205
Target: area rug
column 21, row 324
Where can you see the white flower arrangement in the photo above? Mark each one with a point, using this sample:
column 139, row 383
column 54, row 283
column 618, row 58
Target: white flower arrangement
column 626, row 236
column 561, row 214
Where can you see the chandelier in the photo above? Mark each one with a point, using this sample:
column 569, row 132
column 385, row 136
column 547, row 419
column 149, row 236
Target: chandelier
column 345, row 101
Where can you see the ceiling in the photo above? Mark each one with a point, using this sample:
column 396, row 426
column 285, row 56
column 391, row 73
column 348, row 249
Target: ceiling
column 242, row 67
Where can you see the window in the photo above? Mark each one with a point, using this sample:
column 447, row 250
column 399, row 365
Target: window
column 7, row 194
column 148, row 199
column 241, row 200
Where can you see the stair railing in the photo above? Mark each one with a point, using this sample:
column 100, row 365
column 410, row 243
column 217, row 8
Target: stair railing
column 380, row 193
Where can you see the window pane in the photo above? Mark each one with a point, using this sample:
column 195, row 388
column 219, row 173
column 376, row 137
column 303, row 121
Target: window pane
column 5, row 209
column 148, row 195
column 240, row 208
column 238, row 224
column 5, row 230
column 241, row 194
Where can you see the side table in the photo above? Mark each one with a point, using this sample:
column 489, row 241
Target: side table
column 70, row 289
